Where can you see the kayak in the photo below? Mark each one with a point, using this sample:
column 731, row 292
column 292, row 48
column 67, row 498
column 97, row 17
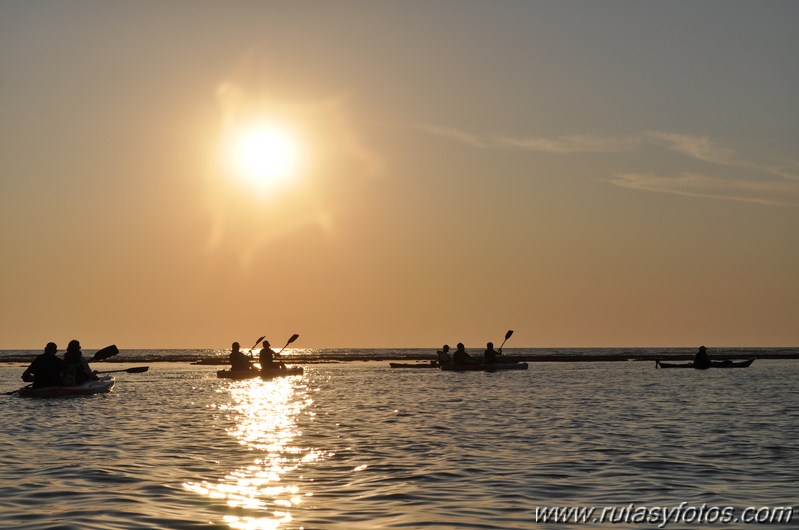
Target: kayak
column 483, row 367
column 238, row 374
column 713, row 364
column 101, row 386
column 414, row 365
column 252, row 374
column 280, row 372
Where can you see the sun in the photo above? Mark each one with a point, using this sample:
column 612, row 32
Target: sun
column 265, row 153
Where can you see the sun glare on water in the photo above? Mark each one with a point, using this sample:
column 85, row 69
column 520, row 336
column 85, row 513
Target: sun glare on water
column 263, row 416
column 265, row 154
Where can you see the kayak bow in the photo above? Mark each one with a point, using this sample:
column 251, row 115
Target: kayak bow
column 101, row 386
column 483, row 367
column 414, row 365
column 713, row 364
column 252, row 374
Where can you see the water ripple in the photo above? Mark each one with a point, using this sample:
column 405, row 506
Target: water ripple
column 361, row 446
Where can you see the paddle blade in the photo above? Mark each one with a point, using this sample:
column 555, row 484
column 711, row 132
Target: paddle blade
column 136, row 370
column 105, row 353
column 257, row 342
column 508, row 334
column 292, row 339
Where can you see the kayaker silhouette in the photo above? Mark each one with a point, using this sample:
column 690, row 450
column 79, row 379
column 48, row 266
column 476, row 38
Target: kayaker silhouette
column 238, row 361
column 491, row 355
column 460, row 356
column 269, row 358
column 47, row 369
column 77, row 370
column 701, row 359
column 443, row 355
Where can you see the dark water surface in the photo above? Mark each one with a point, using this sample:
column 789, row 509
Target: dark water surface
column 316, row 355
column 359, row 445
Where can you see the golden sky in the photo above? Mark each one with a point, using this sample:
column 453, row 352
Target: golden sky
column 399, row 174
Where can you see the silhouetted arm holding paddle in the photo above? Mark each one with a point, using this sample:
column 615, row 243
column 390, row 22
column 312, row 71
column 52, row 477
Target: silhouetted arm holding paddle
column 507, row 336
column 291, row 339
column 256, row 345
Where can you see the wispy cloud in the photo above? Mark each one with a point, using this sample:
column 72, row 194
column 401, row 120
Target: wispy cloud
column 761, row 183
column 704, row 149
column 558, row 144
column 789, row 173
column 698, row 147
column 571, row 144
column 761, row 187
column 457, row 135
column 775, row 193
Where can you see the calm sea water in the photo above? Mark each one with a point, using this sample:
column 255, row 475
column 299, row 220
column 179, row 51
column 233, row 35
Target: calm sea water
column 359, row 445
column 311, row 355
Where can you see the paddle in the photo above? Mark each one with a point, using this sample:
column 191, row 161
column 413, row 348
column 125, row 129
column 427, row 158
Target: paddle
column 135, row 370
column 507, row 336
column 105, row 353
column 292, row 339
column 257, row 342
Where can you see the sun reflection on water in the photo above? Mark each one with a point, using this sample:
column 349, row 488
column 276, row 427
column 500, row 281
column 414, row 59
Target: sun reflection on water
column 265, row 414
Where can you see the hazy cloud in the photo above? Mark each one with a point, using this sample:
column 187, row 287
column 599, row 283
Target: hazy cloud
column 790, row 173
column 764, row 184
column 457, row 135
column 698, row 147
column 698, row 185
column 761, row 187
column 571, row 144
column 558, row 144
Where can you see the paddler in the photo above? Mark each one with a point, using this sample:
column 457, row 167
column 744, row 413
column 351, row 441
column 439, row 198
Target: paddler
column 238, row 361
column 701, row 359
column 47, row 369
column 443, row 356
column 460, row 356
column 269, row 359
column 78, row 370
column 491, row 355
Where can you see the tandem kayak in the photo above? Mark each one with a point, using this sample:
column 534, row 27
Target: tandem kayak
column 238, row 374
column 101, row 386
column 431, row 364
column 713, row 364
column 483, row 367
column 252, row 374
column 280, row 372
